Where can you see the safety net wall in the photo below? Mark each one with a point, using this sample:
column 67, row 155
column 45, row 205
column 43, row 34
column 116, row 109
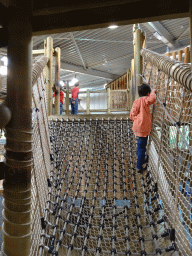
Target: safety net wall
column 170, row 142
column 119, row 100
column 41, row 153
column 97, row 203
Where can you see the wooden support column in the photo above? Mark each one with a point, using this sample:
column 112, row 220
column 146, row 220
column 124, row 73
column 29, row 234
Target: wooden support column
column 137, row 38
column 49, row 71
column 108, row 101
column 180, row 55
column 187, row 55
column 57, row 79
column 131, row 85
column 88, row 102
column 174, row 55
column 67, row 99
column 16, row 226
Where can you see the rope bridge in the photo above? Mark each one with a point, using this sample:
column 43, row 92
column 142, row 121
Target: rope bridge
column 87, row 198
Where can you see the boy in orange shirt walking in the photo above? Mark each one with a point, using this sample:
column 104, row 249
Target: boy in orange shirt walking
column 141, row 117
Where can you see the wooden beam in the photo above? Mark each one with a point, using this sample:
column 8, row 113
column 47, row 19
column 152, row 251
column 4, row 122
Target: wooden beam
column 42, row 51
column 98, row 17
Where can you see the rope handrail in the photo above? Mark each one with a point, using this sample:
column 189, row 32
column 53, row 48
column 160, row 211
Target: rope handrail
column 179, row 71
column 38, row 68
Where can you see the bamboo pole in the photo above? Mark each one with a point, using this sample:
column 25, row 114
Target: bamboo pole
column 49, row 71
column 17, row 183
column 88, row 102
column 57, row 78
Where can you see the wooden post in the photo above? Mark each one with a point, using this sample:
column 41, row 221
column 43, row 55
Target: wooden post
column 16, row 226
column 67, row 99
column 180, row 55
column 187, row 55
column 49, row 70
column 57, row 79
column 137, row 60
column 131, row 85
column 108, row 101
column 88, row 101
column 174, row 55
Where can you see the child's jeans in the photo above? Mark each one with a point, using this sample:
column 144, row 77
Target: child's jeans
column 141, row 150
column 74, row 107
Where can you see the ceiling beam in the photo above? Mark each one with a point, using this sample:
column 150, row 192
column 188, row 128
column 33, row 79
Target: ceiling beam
column 77, row 49
column 91, row 72
column 158, row 27
column 98, row 17
column 53, row 7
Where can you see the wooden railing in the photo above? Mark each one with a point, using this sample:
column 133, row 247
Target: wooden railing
column 105, row 101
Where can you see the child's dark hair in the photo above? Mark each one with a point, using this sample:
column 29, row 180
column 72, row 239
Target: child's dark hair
column 143, row 90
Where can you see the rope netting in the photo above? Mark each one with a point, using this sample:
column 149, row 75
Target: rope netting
column 170, row 143
column 41, row 152
column 87, row 198
column 119, row 100
column 97, row 203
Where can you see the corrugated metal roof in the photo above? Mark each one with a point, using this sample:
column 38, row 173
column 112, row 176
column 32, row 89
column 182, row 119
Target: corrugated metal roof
column 108, row 50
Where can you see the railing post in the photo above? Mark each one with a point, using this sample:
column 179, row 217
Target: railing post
column 88, row 102
column 16, row 226
column 67, row 99
column 49, row 70
column 108, row 100
column 57, row 78
column 137, row 60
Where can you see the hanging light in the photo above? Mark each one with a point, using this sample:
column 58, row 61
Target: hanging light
column 5, row 60
column 73, row 81
column 3, row 70
column 61, row 83
column 113, row 26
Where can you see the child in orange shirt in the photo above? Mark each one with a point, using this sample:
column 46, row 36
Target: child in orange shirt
column 141, row 117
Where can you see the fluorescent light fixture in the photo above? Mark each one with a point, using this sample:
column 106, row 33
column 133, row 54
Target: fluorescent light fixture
column 73, row 81
column 5, row 60
column 113, row 26
column 3, row 70
column 61, row 83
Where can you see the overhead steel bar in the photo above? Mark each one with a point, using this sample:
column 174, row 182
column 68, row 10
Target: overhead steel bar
column 177, row 70
column 77, row 49
column 91, row 72
column 158, row 27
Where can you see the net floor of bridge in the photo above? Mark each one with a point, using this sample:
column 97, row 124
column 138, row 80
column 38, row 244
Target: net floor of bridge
column 97, row 203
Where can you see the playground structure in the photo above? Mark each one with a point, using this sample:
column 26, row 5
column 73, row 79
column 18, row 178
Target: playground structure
column 86, row 198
